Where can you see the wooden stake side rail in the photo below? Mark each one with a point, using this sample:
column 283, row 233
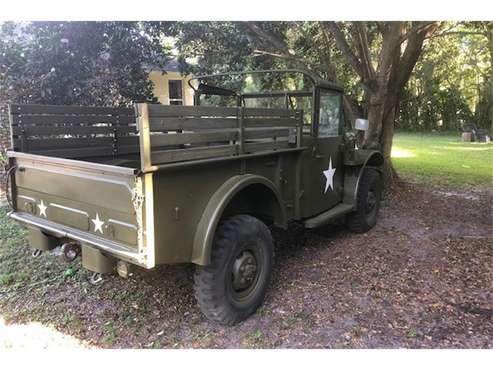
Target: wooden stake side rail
column 161, row 134
column 182, row 133
column 73, row 131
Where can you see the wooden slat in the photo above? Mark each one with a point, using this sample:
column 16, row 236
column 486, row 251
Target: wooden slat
column 269, row 132
column 175, row 123
column 72, row 130
column 76, row 153
column 34, row 144
column 192, row 138
column 68, row 109
column 68, row 143
column 177, row 155
column 128, row 140
column 262, row 121
column 128, row 149
column 265, row 146
column 268, row 112
column 157, row 110
column 49, row 119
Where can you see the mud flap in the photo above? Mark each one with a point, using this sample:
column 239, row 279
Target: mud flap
column 94, row 260
column 40, row 241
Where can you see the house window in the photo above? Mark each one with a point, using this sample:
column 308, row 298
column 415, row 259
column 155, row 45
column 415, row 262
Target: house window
column 175, row 92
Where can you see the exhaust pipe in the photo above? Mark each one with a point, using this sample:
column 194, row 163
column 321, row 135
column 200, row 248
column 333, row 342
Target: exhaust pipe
column 69, row 251
column 123, row 269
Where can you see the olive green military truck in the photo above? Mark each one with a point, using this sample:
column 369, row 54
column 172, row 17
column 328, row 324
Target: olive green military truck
column 202, row 184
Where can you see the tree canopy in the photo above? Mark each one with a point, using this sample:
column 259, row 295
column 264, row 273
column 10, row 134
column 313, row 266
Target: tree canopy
column 92, row 63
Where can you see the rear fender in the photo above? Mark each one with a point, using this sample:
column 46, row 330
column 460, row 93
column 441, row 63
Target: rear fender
column 214, row 210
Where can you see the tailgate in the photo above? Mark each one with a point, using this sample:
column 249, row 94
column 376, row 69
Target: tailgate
column 98, row 204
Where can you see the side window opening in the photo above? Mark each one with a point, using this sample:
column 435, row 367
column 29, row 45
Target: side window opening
column 329, row 114
column 305, row 103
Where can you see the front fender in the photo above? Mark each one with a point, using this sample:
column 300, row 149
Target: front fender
column 354, row 171
column 204, row 234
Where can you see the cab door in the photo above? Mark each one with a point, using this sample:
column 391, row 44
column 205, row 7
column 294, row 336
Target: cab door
column 322, row 168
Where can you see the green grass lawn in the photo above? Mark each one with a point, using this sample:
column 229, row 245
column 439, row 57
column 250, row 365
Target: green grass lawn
column 442, row 160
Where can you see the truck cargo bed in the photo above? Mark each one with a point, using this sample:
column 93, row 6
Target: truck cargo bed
column 86, row 173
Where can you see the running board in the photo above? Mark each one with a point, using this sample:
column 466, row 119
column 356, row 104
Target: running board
column 323, row 218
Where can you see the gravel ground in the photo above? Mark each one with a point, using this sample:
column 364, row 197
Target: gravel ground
column 422, row 278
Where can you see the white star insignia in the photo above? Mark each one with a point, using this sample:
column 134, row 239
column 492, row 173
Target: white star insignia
column 329, row 175
column 42, row 209
column 98, row 224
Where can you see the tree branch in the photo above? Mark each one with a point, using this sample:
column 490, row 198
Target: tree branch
column 403, row 66
column 344, row 47
column 459, row 33
column 298, row 62
column 417, row 28
column 271, row 38
column 364, row 48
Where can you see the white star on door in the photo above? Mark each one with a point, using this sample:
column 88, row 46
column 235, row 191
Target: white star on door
column 42, row 209
column 98, row 224
column 329, row 176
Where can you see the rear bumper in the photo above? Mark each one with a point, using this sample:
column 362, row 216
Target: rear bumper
column 112, row 248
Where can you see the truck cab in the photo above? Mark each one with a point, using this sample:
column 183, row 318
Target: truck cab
column 328, row 140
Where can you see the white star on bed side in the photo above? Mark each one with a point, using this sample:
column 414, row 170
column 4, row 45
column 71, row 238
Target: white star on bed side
column 329, row 176
column 42, row 209
column 98, row 224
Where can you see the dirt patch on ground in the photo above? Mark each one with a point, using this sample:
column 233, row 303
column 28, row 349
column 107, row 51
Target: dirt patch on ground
column 422, row 278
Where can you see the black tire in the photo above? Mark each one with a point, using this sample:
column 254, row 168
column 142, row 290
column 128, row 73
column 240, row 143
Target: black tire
column 367, row 202
column 225, row 289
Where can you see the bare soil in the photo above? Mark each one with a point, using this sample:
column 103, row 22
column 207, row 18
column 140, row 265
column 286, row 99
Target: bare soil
column 422, row 278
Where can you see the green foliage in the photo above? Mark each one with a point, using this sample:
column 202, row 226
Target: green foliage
column 214, row 47
column 450, row 84
column 86, row 63
column 442, row 159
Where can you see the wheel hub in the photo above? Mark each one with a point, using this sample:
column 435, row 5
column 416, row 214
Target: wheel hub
column 244, row 271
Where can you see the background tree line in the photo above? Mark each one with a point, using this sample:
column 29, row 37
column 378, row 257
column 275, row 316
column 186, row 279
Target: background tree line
column 401, row 75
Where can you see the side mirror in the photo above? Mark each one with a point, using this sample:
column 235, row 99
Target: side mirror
column 361, row 124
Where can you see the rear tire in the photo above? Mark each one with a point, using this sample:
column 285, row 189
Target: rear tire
column 367, row 202
column 233, row 285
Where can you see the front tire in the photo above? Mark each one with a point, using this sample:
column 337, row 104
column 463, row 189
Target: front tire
column 367, row 202
column 234, row 284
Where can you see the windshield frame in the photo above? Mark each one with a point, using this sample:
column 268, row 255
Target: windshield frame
column 313, row 92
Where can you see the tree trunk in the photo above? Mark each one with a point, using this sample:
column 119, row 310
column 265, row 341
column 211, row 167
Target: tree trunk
column 351, row 111
column 375, row 117
column 389, row 172
column 489, row 34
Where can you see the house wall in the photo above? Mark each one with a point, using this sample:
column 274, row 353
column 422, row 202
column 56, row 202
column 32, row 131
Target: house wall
column 161, row 90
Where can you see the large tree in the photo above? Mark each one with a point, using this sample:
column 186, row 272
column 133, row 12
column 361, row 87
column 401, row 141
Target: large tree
column 384, row 75
column 373, row 60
